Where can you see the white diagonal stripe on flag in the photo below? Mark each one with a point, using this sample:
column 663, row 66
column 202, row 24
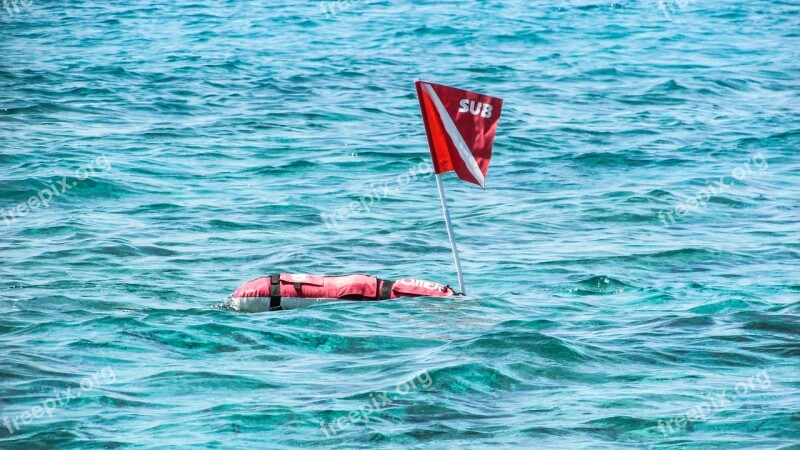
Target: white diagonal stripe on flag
column 458, row 141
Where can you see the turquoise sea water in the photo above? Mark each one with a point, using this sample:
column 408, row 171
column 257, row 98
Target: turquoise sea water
column 202, row 142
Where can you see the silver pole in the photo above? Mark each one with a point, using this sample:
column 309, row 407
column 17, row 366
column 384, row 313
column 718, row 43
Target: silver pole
column 446, row 212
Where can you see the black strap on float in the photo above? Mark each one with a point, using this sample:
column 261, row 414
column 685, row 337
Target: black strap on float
column 386, row 290
column 457, row 294
column 275, row 292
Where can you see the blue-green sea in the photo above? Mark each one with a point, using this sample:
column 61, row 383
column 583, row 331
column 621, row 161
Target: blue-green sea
column 633, row 266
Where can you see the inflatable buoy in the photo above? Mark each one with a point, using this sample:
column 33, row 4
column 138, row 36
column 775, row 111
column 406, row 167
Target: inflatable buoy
column 287, row 291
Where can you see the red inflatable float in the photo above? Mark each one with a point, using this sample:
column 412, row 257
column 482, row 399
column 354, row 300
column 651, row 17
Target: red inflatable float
column 288, row 291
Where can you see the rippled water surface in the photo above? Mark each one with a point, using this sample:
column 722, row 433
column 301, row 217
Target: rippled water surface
column 632, row 266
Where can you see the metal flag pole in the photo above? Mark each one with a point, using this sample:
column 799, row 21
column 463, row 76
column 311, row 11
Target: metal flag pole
column 449, row 224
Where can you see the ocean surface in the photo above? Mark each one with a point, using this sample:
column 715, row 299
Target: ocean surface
column 633, row 267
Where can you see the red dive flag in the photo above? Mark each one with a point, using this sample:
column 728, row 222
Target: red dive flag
column 460, row 126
